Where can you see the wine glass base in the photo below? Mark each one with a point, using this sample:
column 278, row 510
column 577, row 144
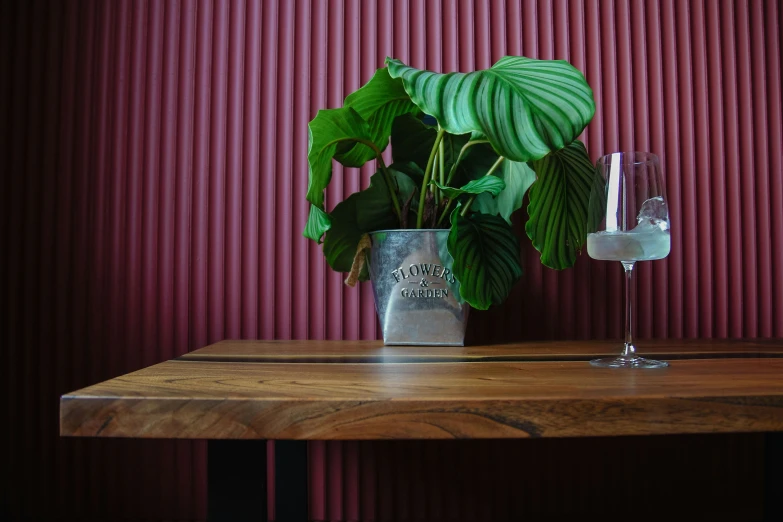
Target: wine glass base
column 628, row 361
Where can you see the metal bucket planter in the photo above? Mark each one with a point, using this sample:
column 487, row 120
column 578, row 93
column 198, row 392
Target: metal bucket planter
column 416, row 294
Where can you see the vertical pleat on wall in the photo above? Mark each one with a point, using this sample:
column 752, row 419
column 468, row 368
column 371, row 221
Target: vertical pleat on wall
column 152, row 198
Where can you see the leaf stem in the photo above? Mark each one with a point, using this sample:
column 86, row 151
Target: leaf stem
column 445, row 211
column 435, row 191
column 491, row 170
column 427, row 173
column 441, row 166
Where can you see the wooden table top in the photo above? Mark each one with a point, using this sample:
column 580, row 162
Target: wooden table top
column 320, row 390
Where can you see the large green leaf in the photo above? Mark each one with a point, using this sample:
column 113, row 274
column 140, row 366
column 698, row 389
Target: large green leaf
column 525, row 107
column 374, row 209
column 405, row 185
column 558, row 206
column 518, row 177
column 486, row 257
column 343, row 236
column 485, row 203
column 490, row 184
column 380, row 101
column 328, row 129
column 362, row 212
column 412, row 141
column 412, row 171
column 318, row 222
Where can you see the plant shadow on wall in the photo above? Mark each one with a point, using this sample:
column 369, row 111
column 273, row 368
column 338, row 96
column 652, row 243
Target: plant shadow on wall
column 466, row 149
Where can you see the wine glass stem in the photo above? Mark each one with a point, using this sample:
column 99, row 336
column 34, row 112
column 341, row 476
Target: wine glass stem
column 629, row 349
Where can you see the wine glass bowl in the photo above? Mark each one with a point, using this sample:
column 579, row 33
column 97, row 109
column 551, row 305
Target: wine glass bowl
column 628, row 221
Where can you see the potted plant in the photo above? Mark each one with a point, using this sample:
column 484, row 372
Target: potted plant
column 433, row 229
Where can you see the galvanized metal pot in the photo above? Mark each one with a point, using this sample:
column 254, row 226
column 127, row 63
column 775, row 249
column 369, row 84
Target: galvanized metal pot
column 416, row 294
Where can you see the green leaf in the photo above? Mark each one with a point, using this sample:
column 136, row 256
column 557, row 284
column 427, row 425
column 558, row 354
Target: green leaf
column 525, row 107
column 518, row 177
column 412, row 141
column 411, row 170
column 362, row 212
column 486, row 203
column 343, row 237
column 405, row 185
column 490, row 184
column 329, row 128
column 486, row 257
column 558, row 206
column 374, row 209
column 318, row 222
column 380, row 101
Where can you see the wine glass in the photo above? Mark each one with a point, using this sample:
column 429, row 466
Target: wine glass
column 628, row 221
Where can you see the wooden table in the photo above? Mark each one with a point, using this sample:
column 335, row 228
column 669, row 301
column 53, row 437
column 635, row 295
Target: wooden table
column 337, row 390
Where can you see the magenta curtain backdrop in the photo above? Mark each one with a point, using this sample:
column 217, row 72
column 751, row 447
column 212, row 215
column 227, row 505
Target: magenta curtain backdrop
column 154, row 160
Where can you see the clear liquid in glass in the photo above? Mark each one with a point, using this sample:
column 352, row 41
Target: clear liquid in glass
column 647, row 245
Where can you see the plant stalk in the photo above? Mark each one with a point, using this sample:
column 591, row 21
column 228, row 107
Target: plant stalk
column 435, row 172
column 491, row 170
column 427, row 174
column 441, row 166
column 445, row 212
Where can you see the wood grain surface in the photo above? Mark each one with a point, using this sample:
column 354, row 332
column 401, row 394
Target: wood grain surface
column 252, row 389
column 375, row 351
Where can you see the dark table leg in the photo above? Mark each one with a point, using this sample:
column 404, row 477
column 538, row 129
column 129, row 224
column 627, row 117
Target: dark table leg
column 773, row 476
column 236, row 481
column 291, row 481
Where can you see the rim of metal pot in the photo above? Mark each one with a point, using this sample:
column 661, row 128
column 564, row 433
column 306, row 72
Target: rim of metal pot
column 411, row 230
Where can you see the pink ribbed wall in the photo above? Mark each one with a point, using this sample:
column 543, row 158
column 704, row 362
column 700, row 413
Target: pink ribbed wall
column 153, row 159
